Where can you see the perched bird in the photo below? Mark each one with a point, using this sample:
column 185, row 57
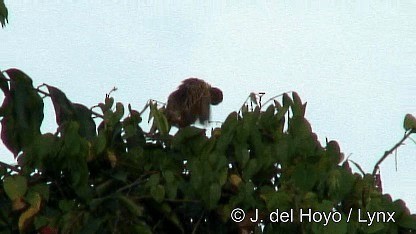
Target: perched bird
column 191, row 102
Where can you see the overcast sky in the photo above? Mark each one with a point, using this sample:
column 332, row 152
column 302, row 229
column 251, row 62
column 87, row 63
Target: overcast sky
column 354, row 62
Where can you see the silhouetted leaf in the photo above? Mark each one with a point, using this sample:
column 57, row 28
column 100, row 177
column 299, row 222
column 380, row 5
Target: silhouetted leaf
column 67, row 111
column 286, row 100
column 23, row 112
column 63, row 107
column 4, row 85
column 83, row 116
column 297, row 105
column 3, row 14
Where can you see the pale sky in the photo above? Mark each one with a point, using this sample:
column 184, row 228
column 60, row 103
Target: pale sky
column 354, row 62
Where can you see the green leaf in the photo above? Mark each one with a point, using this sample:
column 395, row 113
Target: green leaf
column 214, row 195
column 153, row 180
column 41, row 154
column 83, row 116
column 33, row 197
column 119, row 111
column 169, row 176
column 66, row 205
column 408, row 221
column 340, row 183
column 286, row 100
column 241, row 154
column 133, row 133
column 158, row 192
column 160, row 120
column 278, row 200
column 42, row 190
column 298, row 108
column 15, row 186
column 334, row 152
column 131, row 206
column 250, row 169
column 143, row 228
column 92, row 225
column 66, row 111
column 109, row 102
column 23, row 112
column 300, row 127
column 99, row 143
column 305, row 176
column 184, row 134
column 409, row 122
column 40, row 221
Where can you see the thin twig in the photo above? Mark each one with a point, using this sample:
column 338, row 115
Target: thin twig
column 387, row 153
column 197, row 224
column 137, row 182
column 274, row 97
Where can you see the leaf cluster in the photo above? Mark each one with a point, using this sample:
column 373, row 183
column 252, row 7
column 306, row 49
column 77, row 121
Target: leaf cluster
column 114, row 177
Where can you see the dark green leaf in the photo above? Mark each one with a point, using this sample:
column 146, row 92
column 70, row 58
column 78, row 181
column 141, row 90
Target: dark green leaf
column 23, row 112
column 298, row 109
column 42, row 190
column 286, row 100
column 66, row 205
column 15, row 186
column 158, row 192
column 160, row 120
column 278, row 200
column 4, row 85
column 67, row 111
column 300, row 127
column 83, row 116
column 131, row 206
column 214, row 195
column 305, row 176
column 63, row 107
column 143, row 228
column 408, row 221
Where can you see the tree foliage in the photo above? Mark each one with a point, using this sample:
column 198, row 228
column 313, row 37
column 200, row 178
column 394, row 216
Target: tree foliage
column 3, row 14
column 117, row 178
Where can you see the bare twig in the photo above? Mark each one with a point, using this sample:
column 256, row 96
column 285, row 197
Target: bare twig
column 387, row 153
column 197, row 224
column 137, row 182
column 274, row 97
column 8, row 166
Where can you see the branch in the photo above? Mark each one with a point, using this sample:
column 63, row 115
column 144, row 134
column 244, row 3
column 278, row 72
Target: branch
column 387, row 153
column 8, row 166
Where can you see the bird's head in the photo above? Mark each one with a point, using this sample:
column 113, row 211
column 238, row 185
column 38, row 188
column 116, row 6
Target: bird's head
column 216, row 96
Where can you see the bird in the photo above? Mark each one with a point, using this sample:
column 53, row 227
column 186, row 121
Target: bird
column 191, row 102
